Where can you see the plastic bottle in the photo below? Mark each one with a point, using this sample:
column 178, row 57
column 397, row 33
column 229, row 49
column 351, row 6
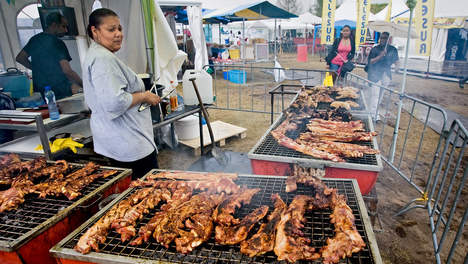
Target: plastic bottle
column 51, row 104
column 173, row 97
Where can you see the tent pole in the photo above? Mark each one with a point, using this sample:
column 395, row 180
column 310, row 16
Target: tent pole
column 219, row 33
column 402, row 90
column 147, row 44
column 313, row 42
column 243, row 38
column 274, row 39
column 429, row 61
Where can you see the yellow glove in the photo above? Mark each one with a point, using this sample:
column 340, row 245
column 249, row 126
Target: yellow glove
column 62, row 143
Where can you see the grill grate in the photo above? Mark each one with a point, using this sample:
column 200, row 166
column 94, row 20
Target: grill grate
column 317, row 228
column 34, row 211
column 270, row 147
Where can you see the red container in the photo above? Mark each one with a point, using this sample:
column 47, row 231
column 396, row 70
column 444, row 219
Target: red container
column 302, row 53
column 366, row 179
column 37, row 249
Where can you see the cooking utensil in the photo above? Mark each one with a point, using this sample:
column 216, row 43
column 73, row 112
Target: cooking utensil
column 144, row 105
column 216, row 152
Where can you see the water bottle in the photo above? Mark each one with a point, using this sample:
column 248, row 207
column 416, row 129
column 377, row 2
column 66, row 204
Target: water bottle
column 50, row 100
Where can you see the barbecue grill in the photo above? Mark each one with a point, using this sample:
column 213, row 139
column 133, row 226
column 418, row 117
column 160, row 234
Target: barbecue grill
column 317, row 228
column 269, row 158
column 27, row 233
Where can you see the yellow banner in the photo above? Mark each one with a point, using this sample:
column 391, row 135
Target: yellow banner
column 362, row 21
column 389, row 12
column 424, row 22
column 328, row 22
column 439, row 22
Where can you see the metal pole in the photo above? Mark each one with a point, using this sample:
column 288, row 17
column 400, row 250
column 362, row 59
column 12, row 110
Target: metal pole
column 148, row 54
column 242, row 40
column 274, row 39
column 313, row 42
column 219, row 33
column 402, row 90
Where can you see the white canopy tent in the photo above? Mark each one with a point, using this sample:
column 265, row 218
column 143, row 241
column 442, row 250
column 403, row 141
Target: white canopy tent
column 308, row 18
column 346, row 11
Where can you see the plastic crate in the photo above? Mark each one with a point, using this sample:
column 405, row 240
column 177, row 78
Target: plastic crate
column 237, row 76
column 226, row 75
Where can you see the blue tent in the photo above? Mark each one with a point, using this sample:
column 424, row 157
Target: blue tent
column 252, row 11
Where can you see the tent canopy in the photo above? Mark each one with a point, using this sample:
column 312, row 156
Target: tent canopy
column 342, row 23
column 251, row 11
column 308, row 18
column 346, row 11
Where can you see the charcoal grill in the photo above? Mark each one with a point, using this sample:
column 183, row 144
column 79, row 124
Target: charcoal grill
column 27, row 233
column 269, row 158
column 317, row 228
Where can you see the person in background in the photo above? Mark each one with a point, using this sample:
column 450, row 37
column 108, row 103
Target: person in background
column 342, row 51
column 379, row 64
column 114, row 93
column 50, row 59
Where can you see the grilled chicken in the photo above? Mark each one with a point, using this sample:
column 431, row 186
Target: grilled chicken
column 223, row 214
column 264, row 240
column 290, row 243
column 231, row 235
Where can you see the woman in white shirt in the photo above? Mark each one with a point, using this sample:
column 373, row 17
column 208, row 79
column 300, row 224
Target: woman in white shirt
column 113, row 92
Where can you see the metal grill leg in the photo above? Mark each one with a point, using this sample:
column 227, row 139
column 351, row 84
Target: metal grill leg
column 372, row 201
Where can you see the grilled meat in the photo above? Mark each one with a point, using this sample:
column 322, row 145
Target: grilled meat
column 211, row 185
column 345, row 104
column 224, row 212
column 97, row 233
column 231, row 235
column 290, row 243
column 280, row 135
column 347, row 92
column 347, row 239
column 191, row 176
column 306, row 176
column 264, row 240
column 194, row 215
column 178, row 196
column 125, row 226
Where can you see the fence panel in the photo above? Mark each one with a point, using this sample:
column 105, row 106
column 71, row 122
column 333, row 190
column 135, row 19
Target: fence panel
column 448, row 194
column 420, row 125
column 246, row 87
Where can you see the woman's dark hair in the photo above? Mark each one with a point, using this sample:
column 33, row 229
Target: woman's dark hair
column 95, row 19
column 350, row 31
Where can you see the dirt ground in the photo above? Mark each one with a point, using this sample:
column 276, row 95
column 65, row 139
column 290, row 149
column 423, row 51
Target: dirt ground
column 402, row 239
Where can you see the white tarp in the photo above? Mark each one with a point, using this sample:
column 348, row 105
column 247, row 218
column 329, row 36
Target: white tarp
column 194, row 15
column 447, row 8
column 308, row 18
column 167, row 58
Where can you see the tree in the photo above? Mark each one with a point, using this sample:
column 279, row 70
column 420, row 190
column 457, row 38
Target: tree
column 318, row 8
column 292, row 6
column 375, row 8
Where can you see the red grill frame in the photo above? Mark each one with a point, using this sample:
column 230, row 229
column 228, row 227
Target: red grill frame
column 36, row 250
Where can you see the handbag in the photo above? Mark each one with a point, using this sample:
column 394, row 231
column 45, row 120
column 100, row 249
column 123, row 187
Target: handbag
column 346, row 67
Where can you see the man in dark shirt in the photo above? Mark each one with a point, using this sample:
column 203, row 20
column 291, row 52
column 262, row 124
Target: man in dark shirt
column 50, row 59
column 381, row 58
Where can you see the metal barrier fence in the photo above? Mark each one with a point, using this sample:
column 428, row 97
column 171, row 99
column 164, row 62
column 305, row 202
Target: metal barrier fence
column 247, row 87
column 446, row 201
column 437, row 171
column 415, row 134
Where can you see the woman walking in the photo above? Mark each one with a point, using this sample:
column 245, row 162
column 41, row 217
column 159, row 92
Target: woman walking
column 343, row 50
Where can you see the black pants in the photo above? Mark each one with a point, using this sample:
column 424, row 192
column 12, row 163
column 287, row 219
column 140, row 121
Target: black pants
column 140, row 167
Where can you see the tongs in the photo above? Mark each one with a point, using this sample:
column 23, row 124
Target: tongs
column 143, row 106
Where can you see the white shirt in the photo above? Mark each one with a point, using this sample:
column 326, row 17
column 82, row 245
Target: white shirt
column 119, row 132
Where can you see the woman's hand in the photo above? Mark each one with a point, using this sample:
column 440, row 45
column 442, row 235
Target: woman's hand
column 151, row 98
